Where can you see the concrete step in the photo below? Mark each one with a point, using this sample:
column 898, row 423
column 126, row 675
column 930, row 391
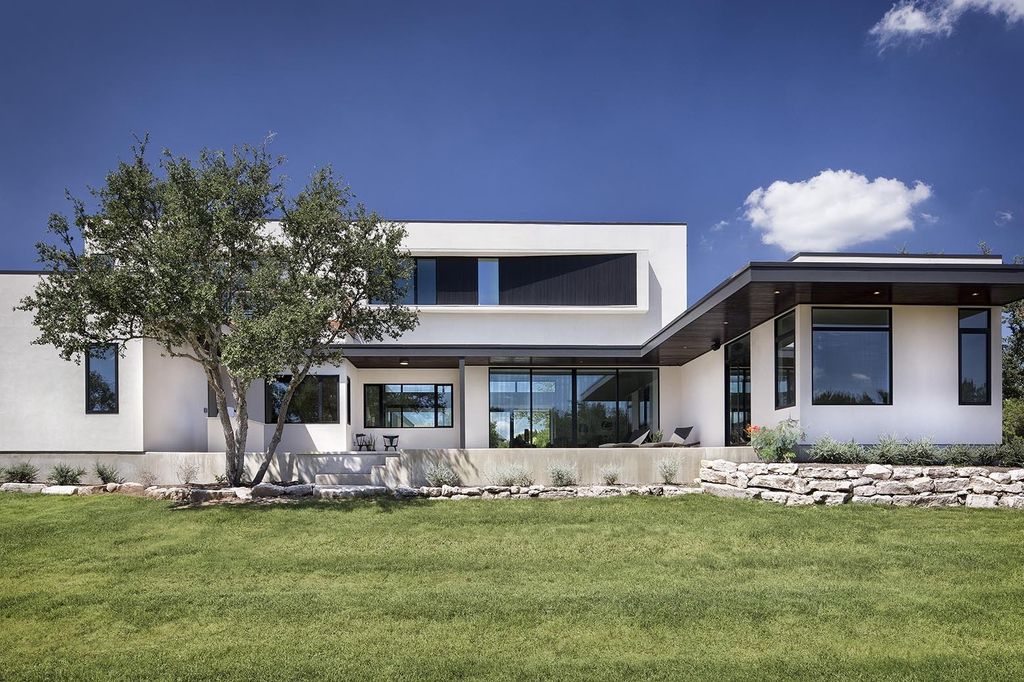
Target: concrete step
column 343, row 479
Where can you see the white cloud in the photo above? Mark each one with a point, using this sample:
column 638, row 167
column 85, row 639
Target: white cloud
column 1003, row 217
column 929, row 218
column 833, row 210
column 719, row 226
column 917, row 20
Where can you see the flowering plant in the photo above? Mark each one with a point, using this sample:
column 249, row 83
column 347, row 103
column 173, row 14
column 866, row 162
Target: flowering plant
column 776, row 443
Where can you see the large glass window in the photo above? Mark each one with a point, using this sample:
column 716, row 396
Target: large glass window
column 101, row 379
column 851, row 356
column 737, row 391
column 426, row 281
column 975, row 357
column 315, row 401
column 785, row 361
column 487, row 281
column 407, row 406
column 570, row 408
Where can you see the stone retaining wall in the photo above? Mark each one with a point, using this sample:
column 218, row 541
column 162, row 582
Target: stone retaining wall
column 831, row 484
column 271, row 492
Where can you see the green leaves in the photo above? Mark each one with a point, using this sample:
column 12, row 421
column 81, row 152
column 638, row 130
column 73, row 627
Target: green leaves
column 188, row 254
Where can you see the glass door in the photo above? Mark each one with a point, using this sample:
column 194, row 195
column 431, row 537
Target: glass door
column 737, row 391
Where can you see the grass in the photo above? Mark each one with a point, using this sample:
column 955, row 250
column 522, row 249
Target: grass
column 119, row 587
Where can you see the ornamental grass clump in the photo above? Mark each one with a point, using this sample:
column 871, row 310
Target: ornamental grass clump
column 438, row 475
column 828, row 449
column 668, row 469
column 610, row 474
column 776, row 443
column 108, row 473
column 563, row 473
column 22, row 472
column 65, row 474
column 512, row 474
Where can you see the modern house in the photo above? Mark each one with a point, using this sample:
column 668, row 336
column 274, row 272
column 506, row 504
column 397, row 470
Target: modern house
column 570, row 336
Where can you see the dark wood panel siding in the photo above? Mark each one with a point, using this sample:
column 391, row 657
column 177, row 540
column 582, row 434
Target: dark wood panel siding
column 456, row 281
column 606, row 279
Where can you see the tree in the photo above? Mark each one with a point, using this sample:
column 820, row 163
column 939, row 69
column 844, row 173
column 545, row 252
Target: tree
column 1013, row 351
column 189, row 255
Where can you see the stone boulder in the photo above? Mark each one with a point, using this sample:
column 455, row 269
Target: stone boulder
column 300, row 490
column 982, row 501
column 789, row 483
column 905, row 473
column 836, row 473
column 785, row 468
column 267, row 490
column 22, row 487
column 883, row 500
column 712, row 476
column 829, row 499
column 877, row 472
column 951, row 485
column 60, row 490
column 728, row 491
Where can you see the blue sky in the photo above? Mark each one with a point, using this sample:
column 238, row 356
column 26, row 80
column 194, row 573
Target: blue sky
column 603, row 111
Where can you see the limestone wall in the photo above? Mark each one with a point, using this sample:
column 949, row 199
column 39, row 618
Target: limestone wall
column 831, row 484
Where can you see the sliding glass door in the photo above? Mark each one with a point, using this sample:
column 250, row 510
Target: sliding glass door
column 570, row 408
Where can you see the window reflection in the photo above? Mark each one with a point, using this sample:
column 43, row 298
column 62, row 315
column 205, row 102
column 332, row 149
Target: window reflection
column 851, row 356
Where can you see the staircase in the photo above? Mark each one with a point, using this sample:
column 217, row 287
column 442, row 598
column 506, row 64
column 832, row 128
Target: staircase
column 352, row 468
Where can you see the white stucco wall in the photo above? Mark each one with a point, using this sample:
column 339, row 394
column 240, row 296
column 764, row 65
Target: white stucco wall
column 924, row 385
column 762, row 375
column 703, row 398
column 661, row 289
column 42, row 400
column 174, row 402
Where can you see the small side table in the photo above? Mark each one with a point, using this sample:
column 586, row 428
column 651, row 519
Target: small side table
column 390, row 443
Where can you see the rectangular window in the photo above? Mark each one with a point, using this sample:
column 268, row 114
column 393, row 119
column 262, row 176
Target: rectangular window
column 737, row 391
column 348, row 400
column 407, row 406
column 785, row 361
column 851, row 356
column 101, row 394
column 315, row 401
column 570, row 408
column 487, row 281
column 426, row 281
column 975, row 357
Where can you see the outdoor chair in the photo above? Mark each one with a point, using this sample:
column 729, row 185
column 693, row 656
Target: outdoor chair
column 363, row 442
column 681, row 434
column 633, row 440
column 390, row 443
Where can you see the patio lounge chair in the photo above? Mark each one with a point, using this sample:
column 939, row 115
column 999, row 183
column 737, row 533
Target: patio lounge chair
column 633, row 440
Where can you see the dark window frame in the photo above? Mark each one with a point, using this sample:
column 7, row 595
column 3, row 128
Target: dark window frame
column 987, row 332
column 382, row 408
column 750, row 394
column 574, row 372
column 792, row 402
column 117, row 379
column 321, row 379
column 888, row 311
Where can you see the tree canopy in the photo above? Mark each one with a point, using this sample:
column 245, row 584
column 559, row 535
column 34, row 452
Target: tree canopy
column 213, row 260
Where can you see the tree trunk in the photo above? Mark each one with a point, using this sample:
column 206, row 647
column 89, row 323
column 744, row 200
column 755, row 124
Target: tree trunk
column 282, row 414
column 234, row 441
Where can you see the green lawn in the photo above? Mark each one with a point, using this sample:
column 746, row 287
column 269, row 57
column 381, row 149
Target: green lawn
column 119, row 587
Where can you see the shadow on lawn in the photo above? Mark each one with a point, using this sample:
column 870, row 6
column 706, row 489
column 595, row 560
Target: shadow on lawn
column 383, row 505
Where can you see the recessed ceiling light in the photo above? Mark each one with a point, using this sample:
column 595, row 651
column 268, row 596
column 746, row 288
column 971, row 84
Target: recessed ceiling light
column 403, row 362
column 726, row 322
column 877, row 293
column 777, row 292
column 975, row 293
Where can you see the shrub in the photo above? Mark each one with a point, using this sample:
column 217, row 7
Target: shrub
column 667, row 469
column 610, row 474
column 108, row 473
column 776, row 443
column 563, row 473
column 1011, row 453
column 1013, row 419
column 921, row 452
column 959, row 454
column 828, row 449
column 438, row 475
column 188, row 471
column 23, row 472
column 657, row 436
column 512, row 474
column 65, row 474
column 147, row 478
column 888, row 450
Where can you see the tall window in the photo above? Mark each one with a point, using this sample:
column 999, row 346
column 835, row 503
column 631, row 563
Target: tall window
column 407, row 406
column 785, row 361
column 315, row 401
column 570, row 408
column 851, row 356
column 101, row 379
column 487, row 281
column 420, row 288
column 737, row 391
column 975, row 357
